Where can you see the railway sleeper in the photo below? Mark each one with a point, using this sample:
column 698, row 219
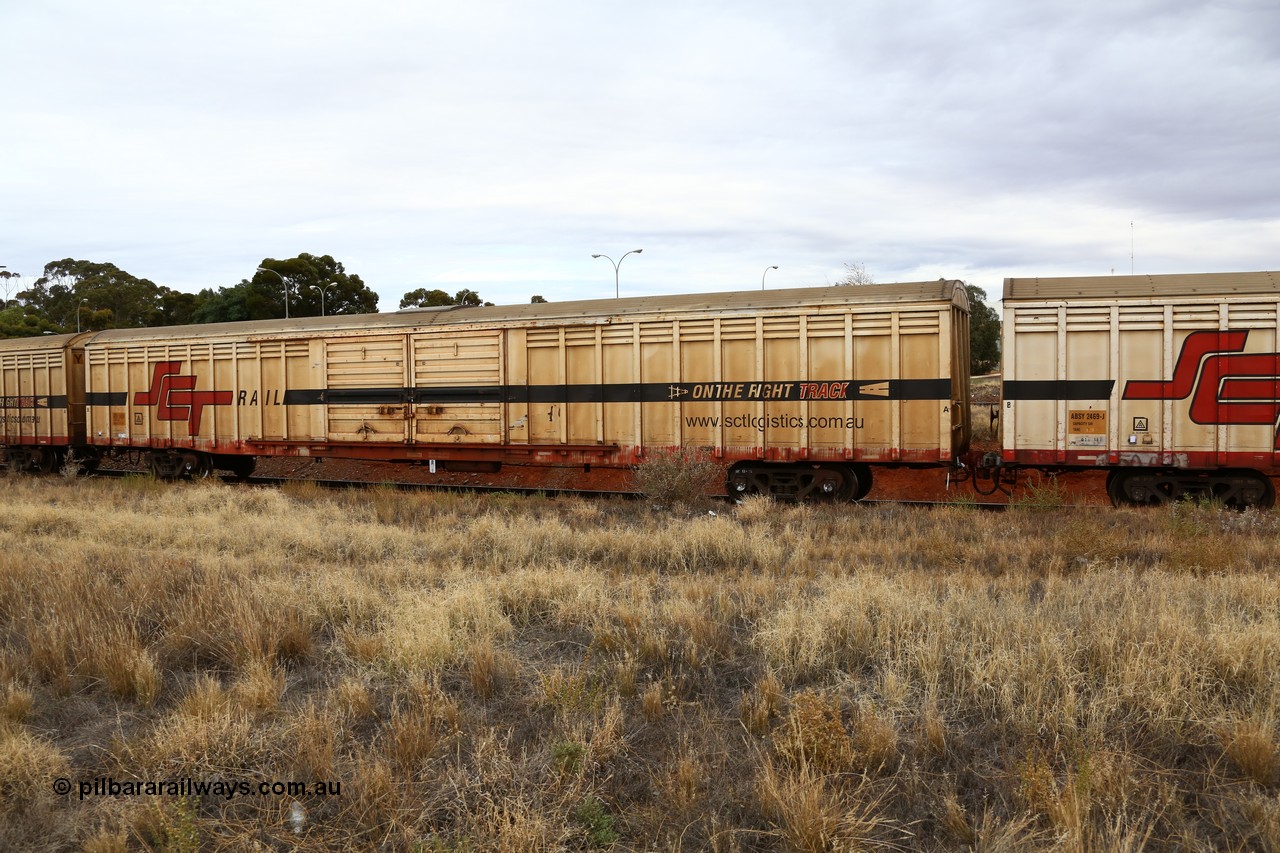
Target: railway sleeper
column 800, row 482
column 1238, row 489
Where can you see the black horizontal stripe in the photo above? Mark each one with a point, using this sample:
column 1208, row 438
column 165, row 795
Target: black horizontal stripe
column 625, row 392
column 106, row 398
column 633, row 392
column 1058, row 389
column 34, row 401
column 304, row 397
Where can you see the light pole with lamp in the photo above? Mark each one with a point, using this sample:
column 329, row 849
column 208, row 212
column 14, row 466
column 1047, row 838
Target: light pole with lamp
column 283, row 281
column 78, row 307
column 616, row 264
column 321, row 291
column 765, row 273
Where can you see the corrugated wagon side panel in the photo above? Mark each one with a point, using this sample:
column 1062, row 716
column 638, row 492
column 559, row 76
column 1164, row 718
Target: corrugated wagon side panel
column 212, row 394
column 829, row 421
column 740, row 420
column 544, row 354
column 457, row 380
column 780, row 341
column 657, row 365
column 619, row 361
column 699, row 425
column 919, row 342
column 1143, row 351
column 33, row 384
column 365, row 388
column 584, row 421
column 1032, row 362
column 1085, row 417
column 874, row 341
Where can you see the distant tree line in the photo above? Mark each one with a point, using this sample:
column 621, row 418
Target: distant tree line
column 423, row 298
column 75, row 294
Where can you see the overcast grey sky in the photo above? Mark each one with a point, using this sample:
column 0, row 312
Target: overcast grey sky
column 496, row 145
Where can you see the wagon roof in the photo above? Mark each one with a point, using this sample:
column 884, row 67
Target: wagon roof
column 43, row 342
column 599, row 310
column 1143, row 286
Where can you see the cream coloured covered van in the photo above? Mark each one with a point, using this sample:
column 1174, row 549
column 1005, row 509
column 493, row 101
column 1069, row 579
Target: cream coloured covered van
column 1171, row 381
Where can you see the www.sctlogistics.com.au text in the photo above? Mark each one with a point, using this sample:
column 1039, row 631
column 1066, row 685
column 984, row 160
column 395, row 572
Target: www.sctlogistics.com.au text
column 106, row 786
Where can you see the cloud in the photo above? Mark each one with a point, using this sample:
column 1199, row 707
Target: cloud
column 502, row 143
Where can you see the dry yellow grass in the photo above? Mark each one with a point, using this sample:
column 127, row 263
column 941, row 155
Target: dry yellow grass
column 498, row 673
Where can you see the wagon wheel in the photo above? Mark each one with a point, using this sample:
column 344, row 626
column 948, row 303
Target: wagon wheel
column 1141, row 488
column 44, row 461
column 198, row 465
column 849, row 487
column 158, row 469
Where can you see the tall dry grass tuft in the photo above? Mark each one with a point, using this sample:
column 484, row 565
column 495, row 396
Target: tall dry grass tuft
column 490, row 669
column 31, row 814
column 758, row 708
column 129, row 670
column 16, row 703
column 813, row 812
column 1252, row 747
column 814, row 735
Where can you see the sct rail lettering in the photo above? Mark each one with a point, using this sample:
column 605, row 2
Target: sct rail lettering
column 270, row 397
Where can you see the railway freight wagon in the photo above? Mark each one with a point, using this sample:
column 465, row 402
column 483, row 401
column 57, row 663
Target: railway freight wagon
column 41, row 400
column 795, row 392
column 1171, row 382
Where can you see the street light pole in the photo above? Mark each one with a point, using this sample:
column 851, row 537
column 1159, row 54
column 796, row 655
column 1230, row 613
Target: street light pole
column 616, row 264
column 765, row 273
column 78, row 307
column 286, row 288
column 321, row 290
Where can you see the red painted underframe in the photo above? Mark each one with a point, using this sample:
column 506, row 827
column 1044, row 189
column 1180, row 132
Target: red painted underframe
column 567, row 455
column 1266, row 463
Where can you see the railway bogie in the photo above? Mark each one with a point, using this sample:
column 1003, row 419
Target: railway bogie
column 1238, row 489
column 799, row 482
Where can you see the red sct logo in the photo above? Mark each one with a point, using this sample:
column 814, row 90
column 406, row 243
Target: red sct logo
column 175, row 398
column 1226, row 386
